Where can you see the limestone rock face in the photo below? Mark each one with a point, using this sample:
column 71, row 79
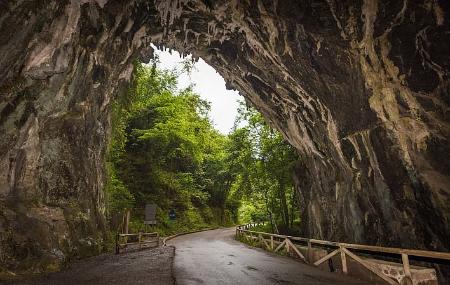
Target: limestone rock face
column 360, row 88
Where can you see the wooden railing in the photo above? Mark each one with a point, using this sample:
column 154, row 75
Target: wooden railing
column 276, row 242
column 124, row 240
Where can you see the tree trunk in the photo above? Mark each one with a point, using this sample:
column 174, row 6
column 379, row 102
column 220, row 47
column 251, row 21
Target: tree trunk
column 283, row 205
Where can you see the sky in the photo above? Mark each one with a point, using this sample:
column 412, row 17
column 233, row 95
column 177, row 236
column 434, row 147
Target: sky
column 210, row 86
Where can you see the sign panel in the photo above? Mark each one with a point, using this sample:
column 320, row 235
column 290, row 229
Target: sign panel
column 172, row 214
column 150, row 214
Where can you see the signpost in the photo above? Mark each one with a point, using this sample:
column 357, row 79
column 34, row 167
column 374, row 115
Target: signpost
column 150, row 214
column 141, row 238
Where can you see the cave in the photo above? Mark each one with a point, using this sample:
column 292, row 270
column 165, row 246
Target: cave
column 359, row 88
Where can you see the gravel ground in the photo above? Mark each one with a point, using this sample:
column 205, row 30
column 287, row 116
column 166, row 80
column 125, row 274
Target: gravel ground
column 149, row 266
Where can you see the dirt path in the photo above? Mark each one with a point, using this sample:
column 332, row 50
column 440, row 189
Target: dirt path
column 150, row 266
column 214, row 257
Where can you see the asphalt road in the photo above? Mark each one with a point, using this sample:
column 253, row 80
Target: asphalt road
column 214, row 257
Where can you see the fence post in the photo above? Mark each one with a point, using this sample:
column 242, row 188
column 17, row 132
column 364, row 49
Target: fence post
column 343, row 261
column 126, row 224
column 407, row 280
column 127, row 221
column 271, row 242
column 287, row 246
column 310, row 258
column 140, row 240
column 117, row 243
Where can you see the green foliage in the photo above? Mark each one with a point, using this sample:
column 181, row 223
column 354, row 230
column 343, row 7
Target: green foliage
column 119, row 196
column 164, row 150
column 262, row 164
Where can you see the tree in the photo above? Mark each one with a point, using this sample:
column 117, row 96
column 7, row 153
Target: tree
column 262, row 164
column 166, row 151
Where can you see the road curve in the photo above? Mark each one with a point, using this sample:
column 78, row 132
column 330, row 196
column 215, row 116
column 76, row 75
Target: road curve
column 214, row 257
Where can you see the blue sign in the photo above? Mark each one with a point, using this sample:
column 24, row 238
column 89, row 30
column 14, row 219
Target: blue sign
column 172, row 214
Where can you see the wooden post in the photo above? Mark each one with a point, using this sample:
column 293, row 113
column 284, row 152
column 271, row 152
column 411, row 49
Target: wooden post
column 126, row 225
column 369, row 267
column 127, row 221
column 407, row 280
column 140, row 240
column 343, row 261
column 271, row 243
column 287, row 246
column 310, row 258
column 117, row 244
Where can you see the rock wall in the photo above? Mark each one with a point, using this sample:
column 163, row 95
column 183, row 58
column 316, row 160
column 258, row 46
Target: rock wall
column 360, row 88
column 60, row 64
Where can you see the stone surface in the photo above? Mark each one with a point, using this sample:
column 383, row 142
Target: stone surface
column 154, row 266
column 360, row 88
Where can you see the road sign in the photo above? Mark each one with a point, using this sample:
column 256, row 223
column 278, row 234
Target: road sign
column 150, row 214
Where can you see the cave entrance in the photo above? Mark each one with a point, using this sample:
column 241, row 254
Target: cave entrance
column 175, row 115
column 182, row 143
column 360, row 97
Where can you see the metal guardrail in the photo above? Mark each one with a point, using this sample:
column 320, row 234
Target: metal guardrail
column 286, row 242
column 124, row 240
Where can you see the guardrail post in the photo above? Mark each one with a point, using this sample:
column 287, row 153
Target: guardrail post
column 343, row 261
column 407, row 280
column 342, row 248
column 117, row 243
column 310, row 258
column 126, row 223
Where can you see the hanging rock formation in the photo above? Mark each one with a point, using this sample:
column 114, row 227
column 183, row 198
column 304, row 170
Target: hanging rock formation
column 360, row 88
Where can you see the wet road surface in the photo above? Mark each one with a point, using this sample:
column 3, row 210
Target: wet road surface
column 214, row 257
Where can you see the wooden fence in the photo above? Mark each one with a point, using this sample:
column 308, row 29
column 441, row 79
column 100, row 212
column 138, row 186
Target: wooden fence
column 275, row 242
column 140, row 239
